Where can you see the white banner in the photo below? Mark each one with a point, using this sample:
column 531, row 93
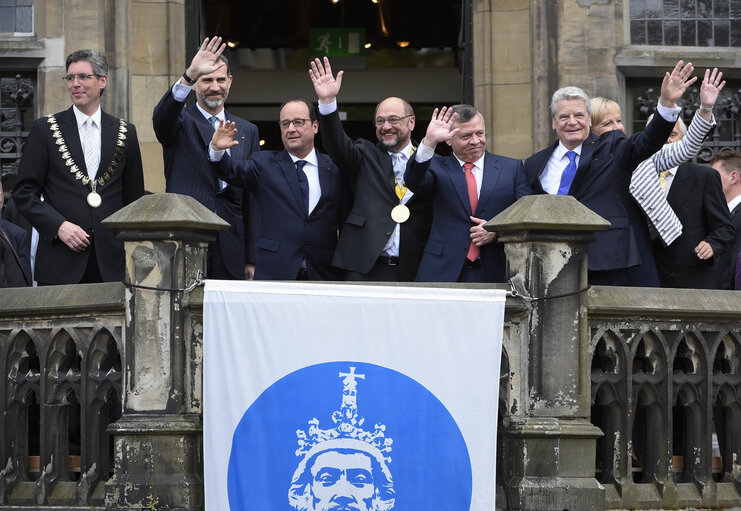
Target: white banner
column 348, row 397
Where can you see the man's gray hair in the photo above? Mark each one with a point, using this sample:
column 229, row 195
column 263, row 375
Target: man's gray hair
column 567, row 93
column 682, row 125
column 465, row 112
column 97, row 61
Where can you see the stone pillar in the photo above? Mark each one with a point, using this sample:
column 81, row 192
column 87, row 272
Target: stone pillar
column 158, row 440
column 502, row 74
column 549, row 444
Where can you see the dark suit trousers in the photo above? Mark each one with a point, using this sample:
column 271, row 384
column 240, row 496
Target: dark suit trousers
column 380, row 272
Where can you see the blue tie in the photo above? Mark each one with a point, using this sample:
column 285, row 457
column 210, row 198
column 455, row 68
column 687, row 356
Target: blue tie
column 568, row 174
column 215, row 123
column 303, row 183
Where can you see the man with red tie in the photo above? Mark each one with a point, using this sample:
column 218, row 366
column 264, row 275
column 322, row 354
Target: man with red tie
column 469, row 187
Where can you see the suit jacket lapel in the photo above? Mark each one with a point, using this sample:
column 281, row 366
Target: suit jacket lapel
column 289, row 172
column 68, row 126
column 458, row 178
column 388, row 169
column 492, row 171
column 108, row 137
column 204, row 128
column 682, row 186
column 237, row 152
column 325, row 177
column 587, row 150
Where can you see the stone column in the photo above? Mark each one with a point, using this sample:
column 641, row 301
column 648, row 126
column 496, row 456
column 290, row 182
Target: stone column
column 549, row 444
column 158, row 440
column 503, row 73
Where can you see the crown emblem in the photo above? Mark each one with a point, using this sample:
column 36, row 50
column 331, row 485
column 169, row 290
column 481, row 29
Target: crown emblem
column 348, row 431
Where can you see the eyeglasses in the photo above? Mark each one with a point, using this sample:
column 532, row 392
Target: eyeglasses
column 296, row 122
column 393, row 121
column 82, row 77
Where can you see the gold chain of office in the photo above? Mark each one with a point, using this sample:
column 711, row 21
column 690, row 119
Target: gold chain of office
column 67, row 157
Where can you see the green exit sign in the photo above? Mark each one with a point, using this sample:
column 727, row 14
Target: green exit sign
column 336, row 42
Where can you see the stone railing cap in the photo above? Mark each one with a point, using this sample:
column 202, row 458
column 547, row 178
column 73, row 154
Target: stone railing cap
column 547, row 212
column 163, row 211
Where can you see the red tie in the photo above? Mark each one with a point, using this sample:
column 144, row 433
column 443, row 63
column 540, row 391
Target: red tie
column 473, row 197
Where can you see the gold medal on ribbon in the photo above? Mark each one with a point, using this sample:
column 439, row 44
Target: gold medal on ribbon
column 400, row 214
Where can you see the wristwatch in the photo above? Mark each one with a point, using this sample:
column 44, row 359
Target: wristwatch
column 188, row 79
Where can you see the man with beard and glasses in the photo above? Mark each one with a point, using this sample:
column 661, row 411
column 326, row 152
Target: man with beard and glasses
column 386, row 231
column 185, row 134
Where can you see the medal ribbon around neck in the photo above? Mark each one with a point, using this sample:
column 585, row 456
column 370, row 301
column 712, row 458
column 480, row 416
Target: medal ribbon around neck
column 69, row 162
column 400, row 213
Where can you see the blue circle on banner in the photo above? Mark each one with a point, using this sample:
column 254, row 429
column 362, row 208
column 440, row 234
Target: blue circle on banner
column 430, row 466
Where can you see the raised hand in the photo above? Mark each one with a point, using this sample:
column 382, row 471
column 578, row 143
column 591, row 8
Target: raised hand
column 206, row 61
column 675, row 83
column 710, row 88
column 223, row 137
column 326, row 86
column 439, row 129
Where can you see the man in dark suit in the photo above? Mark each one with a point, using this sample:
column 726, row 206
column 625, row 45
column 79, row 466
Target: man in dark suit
column 19, row 238
column 299, row 194
column 11, row 272
column 469, row 187
column 87, row 165
column 728, row 166
column 696, row 196
column 597, row 170
column 386, row 231
column 185, row 134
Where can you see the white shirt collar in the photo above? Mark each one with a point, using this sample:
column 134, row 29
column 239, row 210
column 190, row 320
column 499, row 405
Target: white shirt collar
column 479, row 164
column 310, row 158
column 734, row 202
column 407, row 151
column 561, row 150
column 220, row 116
column 81, row 117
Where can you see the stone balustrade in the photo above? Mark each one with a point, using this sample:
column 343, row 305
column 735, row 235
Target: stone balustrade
column 610, row 398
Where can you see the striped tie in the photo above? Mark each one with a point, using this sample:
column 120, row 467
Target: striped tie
column 648, row 193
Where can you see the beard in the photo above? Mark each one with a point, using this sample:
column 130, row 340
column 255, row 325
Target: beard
column 213, row 101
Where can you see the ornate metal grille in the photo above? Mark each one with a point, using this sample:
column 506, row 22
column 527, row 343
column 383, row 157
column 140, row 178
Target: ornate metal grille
column 727, row 134
column 16, row 103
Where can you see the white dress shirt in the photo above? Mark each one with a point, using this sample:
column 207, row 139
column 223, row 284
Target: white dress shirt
column 550, row 179
column 392, row 246
column 311, row 169
column 81, row 118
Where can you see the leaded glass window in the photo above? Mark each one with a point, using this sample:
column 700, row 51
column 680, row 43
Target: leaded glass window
column 16, row 16
column 686, row 22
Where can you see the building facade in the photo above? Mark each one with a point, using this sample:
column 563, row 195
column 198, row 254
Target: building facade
column 505, row 56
